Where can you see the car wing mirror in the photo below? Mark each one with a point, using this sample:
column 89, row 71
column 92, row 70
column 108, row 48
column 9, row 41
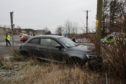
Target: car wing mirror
column 59, row 46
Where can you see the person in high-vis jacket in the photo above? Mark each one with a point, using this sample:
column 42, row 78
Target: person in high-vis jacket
column 7, row 38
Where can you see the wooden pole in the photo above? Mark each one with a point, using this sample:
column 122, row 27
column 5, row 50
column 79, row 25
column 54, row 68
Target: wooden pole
column 99, row 24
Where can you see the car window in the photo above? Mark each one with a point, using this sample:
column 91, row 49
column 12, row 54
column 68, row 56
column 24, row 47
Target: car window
column 48, row 42
column 34, row 41
column 67, row 42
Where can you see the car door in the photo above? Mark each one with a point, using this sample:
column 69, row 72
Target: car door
column 48, row 48
column 32, row 46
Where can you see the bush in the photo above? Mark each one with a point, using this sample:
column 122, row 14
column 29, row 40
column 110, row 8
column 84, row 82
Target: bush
column 116, row 60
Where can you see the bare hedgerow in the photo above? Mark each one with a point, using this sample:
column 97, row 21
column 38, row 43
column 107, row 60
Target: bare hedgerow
column 116, row 61
column 114, row 55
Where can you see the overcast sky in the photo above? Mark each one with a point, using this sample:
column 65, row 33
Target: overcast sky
column 38, row 14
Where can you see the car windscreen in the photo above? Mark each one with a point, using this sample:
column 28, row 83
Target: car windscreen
column 67, row 42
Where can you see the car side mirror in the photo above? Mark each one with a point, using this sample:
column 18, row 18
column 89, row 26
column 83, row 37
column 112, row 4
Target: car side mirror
column 59, row 46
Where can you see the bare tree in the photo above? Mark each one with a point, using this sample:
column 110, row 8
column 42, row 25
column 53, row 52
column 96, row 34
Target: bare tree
column 59, row 30
column 70, row 28
column 114, row 11
column 74, row 28
column 46, row 31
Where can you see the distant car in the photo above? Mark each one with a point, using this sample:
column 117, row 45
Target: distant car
column 24, row 38
column 56, row 49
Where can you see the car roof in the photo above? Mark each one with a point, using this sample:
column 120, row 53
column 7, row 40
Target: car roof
column 48, row 36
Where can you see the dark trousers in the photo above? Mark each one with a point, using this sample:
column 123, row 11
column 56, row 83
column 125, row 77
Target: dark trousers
column 8, row 43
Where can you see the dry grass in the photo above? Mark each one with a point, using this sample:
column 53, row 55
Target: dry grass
column 1, row 59
column 35, row 72
column 17, row 56
column 53, row 74
column 5, row 64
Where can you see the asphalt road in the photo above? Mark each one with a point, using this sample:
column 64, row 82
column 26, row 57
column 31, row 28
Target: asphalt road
column 7, row 51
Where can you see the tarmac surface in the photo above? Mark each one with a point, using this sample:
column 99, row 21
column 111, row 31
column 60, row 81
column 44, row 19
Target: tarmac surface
column 7, row 51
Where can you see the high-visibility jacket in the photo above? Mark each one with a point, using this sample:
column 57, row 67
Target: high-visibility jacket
column 8, row 37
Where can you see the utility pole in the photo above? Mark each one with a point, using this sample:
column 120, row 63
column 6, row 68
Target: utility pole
column 99, row 24
column 87, row 12
column 12, row 27
column 87, row 21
